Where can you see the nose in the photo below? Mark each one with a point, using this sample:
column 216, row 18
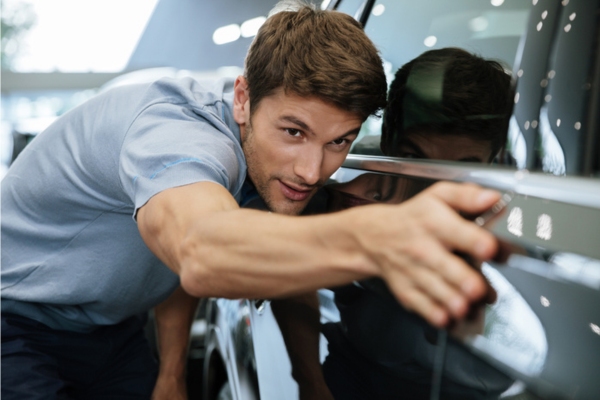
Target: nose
column 308, row 165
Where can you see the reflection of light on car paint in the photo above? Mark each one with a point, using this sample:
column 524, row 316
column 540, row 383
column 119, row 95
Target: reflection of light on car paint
column 513, row 333
column 553, row 156
column 567, row 27
column 544, row 227
column 544, row 14
column 515, row 222
column 518, row 147
column 539, row 26
column 545, row 302
column 558, row 122
column 595, row 328
column 430, row 41
column 577, row 125
column 576, row 268
column 497, row 3
column 572, row 16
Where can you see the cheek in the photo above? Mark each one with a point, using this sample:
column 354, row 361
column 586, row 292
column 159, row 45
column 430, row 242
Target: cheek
column 332, row 162
column 276, row 154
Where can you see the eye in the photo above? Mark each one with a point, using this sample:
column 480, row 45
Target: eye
column 293, row 132
column 339, row 142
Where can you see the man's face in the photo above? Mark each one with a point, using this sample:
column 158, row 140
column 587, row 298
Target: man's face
column 440, row 146
column 292, row 145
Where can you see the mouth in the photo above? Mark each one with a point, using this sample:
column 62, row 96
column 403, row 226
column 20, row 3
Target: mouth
column 294, row 193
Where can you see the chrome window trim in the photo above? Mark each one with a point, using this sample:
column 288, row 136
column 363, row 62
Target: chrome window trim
column 566, row 189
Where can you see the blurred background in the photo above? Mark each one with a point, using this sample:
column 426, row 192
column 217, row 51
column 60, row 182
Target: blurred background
column 57, row 54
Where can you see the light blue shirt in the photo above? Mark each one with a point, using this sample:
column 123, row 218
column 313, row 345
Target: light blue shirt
column 72, row 255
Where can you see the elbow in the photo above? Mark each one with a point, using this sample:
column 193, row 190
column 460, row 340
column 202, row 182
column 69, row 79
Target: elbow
column 197, row 276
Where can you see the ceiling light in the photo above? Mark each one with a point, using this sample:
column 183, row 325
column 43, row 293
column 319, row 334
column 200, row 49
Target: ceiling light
column 378, row 10
column 250, row 28
column 226, row 34
column 430, row 41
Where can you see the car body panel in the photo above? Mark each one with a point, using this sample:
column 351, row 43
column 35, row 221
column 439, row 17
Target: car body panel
column 543, row 331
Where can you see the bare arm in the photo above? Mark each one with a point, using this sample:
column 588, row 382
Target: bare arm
column 220, row 250
column 173, row 321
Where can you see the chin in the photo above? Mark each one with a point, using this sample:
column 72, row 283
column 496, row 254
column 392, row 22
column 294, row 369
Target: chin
column 288, row 209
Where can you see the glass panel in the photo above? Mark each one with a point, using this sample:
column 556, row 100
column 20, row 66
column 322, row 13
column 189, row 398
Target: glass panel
column 403, row 30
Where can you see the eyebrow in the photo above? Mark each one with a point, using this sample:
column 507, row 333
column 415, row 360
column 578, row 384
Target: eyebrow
column 305, row 127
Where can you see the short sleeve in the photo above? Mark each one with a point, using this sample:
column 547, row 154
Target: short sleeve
column 171, row 144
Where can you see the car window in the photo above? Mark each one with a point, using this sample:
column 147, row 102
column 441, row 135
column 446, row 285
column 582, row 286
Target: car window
column 548, row 47
column 351, row 7
column 404, row 29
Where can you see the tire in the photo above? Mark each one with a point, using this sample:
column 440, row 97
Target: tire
column 225, row 392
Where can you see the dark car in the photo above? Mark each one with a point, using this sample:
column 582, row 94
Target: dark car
column 541, row 337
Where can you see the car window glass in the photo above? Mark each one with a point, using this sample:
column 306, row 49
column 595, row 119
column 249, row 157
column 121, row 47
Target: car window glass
column 403, row 29
column 351, row 7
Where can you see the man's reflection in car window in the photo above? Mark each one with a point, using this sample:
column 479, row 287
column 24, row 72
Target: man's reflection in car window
column 449, row 105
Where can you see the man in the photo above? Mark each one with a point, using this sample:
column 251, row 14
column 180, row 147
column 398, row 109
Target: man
column 446, row 104
column 132, row 201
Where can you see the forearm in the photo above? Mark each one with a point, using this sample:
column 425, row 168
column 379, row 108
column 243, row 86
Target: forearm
column 220, row 250
column 173, row 322
column 247, row 253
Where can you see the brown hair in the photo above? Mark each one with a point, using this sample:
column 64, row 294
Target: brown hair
column 313, row 52
column 452, row 91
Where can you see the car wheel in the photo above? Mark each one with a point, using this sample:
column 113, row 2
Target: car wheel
column 225, row 392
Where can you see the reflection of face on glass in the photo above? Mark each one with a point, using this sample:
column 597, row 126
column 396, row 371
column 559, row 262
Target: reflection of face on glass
column 439, row 146
column 448, row 104
column 373, row 188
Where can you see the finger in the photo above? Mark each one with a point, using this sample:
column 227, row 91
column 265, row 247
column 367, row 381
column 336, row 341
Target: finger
column 466, row 197
column 449, row 296
column 456, row 233
column 454, row 271
column 418, row 302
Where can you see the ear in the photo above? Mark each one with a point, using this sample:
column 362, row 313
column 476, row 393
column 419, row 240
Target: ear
column 241, row 103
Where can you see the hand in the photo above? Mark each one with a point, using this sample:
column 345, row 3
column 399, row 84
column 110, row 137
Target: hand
column 169, row 387
column 412, row 245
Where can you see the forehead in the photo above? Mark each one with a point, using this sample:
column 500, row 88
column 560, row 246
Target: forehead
column 316, row 113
